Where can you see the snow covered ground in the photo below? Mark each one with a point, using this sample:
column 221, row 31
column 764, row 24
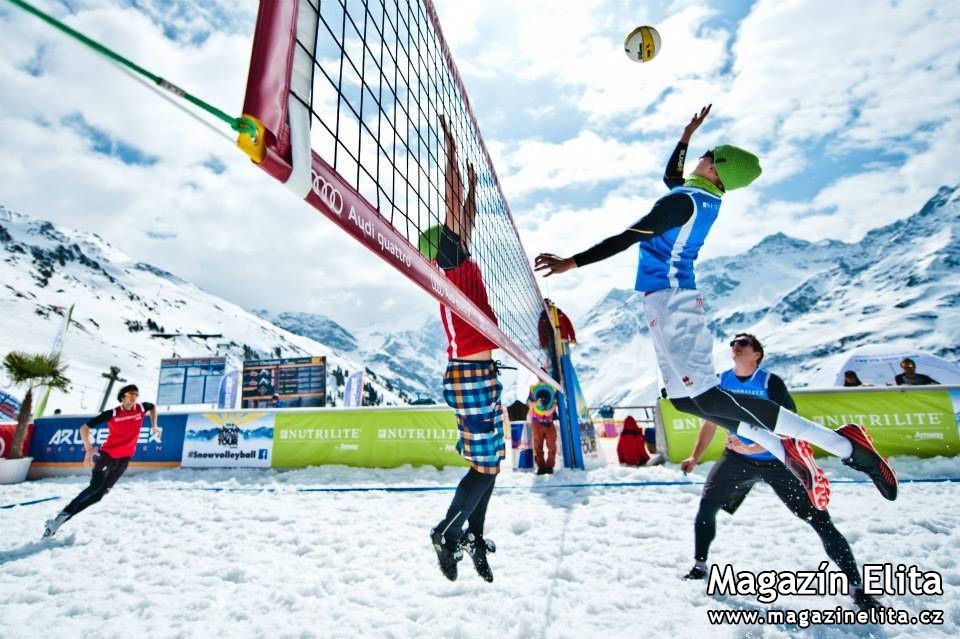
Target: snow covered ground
column 187, row 553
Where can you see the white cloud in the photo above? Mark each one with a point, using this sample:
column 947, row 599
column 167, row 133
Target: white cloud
column 792, row 80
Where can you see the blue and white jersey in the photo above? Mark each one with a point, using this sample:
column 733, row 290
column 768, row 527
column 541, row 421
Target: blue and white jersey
column 666, row 261
column 755, row 385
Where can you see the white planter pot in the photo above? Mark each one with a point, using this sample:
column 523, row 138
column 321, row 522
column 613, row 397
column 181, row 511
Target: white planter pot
column 14, row 471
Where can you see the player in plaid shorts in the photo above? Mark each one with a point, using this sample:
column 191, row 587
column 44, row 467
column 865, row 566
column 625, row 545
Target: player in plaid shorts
column 470, row 384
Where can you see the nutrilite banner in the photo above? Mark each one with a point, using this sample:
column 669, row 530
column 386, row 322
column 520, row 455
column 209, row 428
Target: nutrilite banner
column 366, row 437
column 923, row 423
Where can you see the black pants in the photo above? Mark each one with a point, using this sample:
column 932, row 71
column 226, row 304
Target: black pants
column 469, row 504
column 731, row 479
column 106, row 472
column 728, row 409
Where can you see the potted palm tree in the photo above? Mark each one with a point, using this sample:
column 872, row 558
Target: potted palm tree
column 32, row 371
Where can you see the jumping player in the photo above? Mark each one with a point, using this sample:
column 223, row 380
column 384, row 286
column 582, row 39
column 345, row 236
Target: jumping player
column 124, row 423
column 744, row 463
column 670, row 238
column 470, row 384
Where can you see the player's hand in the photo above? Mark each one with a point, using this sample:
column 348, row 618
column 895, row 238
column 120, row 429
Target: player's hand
column 88, row 456
column 447, row 135
column 688, row 464
column 552, row 264
column 157, row 433
column 471, row 177
column 695, row 123
column 737, row 446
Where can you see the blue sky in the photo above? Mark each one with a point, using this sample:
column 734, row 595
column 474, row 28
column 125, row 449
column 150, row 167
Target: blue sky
column 852, row 133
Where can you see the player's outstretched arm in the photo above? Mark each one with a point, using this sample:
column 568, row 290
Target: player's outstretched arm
column 673, row 174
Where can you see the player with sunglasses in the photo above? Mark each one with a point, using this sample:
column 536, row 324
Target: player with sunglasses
column 670, row 237
column 744, row 463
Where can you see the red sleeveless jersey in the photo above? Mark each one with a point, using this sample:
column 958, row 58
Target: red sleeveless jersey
column 462, row 339
column 124, row 428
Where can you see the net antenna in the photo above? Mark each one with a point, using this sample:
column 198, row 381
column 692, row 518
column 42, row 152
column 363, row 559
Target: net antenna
column 351, row 98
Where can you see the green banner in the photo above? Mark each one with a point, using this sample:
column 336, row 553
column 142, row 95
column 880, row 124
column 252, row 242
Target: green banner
column 370, row 438
column 922, row 423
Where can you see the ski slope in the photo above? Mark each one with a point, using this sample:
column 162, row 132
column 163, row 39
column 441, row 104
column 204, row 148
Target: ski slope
column 244, row 553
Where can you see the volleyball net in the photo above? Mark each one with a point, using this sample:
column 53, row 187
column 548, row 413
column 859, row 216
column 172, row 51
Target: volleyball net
column 361, row 111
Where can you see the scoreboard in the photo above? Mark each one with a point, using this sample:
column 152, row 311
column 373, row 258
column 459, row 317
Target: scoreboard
column 299, row 381
column 190, row 381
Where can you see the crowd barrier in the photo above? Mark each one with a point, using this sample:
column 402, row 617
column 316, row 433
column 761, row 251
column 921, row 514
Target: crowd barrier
column 280, row 438
column 923, row 422
column 920, row 421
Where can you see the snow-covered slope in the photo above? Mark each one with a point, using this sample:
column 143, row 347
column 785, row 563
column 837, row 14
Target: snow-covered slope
column 410, row 361
column 804, row 300
column 119, row 303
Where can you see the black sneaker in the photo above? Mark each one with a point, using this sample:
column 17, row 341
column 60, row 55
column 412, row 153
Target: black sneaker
column 696, row 573
column 866, row 459
column 448, row 558
column 863, row 601
column 477, row 548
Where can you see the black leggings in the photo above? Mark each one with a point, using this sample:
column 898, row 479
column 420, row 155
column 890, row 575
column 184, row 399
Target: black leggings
column 728, row 409
column 106, row 472
column 727, row 485
column 469, row 504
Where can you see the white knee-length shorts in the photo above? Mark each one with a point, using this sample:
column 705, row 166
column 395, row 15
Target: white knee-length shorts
column 678, row 326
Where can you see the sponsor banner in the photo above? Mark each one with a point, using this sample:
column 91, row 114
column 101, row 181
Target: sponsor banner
column 229, row 390
column 57, row 440
column 231, row 439
column 368, row 438
column 353, row 390
column 574, row 413
column 922, row 423
column 9, row 405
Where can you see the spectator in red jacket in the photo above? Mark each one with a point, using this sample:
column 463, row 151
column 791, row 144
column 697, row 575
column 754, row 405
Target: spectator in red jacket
column 632, row 447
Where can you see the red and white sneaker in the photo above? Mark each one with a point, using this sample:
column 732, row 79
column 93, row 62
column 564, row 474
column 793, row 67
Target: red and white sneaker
column 866, row 459
column 799, row 461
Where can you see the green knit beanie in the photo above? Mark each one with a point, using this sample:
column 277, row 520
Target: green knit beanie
column 735, row 167
column 429, row 243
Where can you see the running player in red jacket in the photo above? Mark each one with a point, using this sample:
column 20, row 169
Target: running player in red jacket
column 124, row 423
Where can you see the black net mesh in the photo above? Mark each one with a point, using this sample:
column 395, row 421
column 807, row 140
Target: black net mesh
column 381, row 86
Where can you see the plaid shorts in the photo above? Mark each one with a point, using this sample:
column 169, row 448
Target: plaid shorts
column 472, row 390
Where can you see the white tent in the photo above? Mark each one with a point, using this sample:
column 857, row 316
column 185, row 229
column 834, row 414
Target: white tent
column 877, row 365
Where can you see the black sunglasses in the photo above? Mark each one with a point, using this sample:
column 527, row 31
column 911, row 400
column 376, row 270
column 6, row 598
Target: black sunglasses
column 708, row 154
column 743, row 341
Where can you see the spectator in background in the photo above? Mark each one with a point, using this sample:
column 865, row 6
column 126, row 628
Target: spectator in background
column 910, row 376
column 275, row 401
column 542, row 413
column 850, row 378
column 632, row 447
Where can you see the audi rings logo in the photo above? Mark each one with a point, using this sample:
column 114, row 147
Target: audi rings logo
column 328, row 193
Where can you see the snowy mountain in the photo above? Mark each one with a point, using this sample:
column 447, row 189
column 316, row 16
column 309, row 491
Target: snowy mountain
column 120, row 303
column 410, row 361
column 804, row 300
